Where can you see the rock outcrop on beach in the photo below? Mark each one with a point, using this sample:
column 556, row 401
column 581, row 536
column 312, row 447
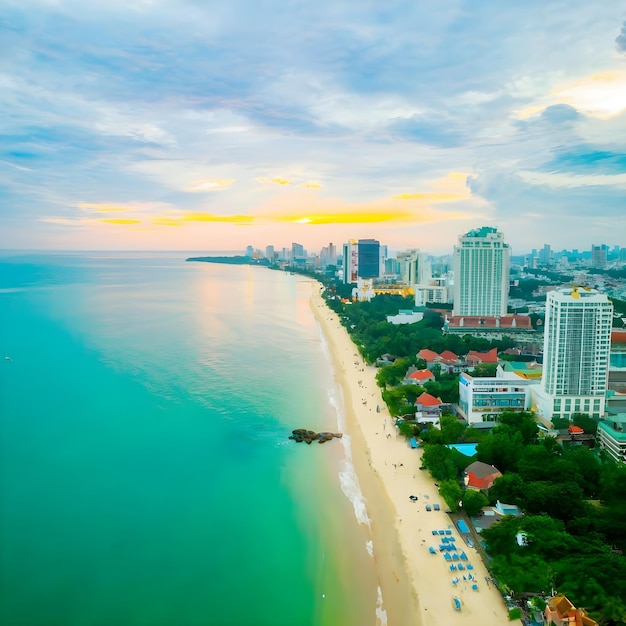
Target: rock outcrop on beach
column 302, row 434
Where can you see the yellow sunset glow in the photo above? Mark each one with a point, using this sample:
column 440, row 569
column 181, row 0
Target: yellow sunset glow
column 117, row 220
column 601, row 95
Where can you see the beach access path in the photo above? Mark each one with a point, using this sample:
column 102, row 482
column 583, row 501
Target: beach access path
column 388, row 472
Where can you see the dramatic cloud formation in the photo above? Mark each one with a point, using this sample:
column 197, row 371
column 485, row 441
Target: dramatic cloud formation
column 242, row 123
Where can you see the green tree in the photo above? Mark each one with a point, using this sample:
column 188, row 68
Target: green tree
column 438, row 460
column 508, row 488
column 450, row 491
column 588, row 424
column 473, row 502
column 451, row 428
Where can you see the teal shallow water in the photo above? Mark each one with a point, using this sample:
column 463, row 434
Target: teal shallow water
column 147, row 478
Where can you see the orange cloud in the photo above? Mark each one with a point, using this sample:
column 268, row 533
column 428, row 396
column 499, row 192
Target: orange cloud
column 276, row 181
column 115, row 220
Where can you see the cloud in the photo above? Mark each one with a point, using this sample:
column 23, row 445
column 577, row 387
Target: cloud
column 601, row 95
column 210, row 185
column 119, row 220
column 621, row 39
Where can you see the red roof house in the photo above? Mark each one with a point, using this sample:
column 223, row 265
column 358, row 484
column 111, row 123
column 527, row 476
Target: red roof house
column 419, row 377
column 426, row 400
column 479, row 475
column 477, row 358
column 428, row 355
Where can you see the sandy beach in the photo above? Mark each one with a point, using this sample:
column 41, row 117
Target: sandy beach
column 417, row 586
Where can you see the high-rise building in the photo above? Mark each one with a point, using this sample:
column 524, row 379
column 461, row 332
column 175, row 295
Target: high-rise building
column 481, row 273
column 576, row 350
column 297, row 251
column 546, row 256
column 350, row 262
column 369, row 258
column 598, row 257
column 270, row 253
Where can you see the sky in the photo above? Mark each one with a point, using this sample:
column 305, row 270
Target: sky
column 203, row 125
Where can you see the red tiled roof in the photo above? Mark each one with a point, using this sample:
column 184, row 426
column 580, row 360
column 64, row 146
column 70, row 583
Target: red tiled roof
column 483, row 357
column 618, row 336
column 575, row 429
column 449, row 355
column 427, row 355
column 484, row 321
column 421, row 375
column 427, row 400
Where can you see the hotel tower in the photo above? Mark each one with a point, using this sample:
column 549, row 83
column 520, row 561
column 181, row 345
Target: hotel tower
column 576, row 350
column 481, row 273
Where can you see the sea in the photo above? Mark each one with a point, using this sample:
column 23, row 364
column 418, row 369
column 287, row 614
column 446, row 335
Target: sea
column 146, row 474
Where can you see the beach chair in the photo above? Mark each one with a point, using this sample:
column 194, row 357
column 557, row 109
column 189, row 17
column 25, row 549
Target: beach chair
column 451, row 538
column 469, row 566
column 452, row 567
column 460, row 566
column 454, row 557
column 437, row 507
column 435, row 532
column 445, row 540
column 447, row 557
column 463, row 556
column 432, row 550
column 441, row 547
column 455, row 581
column 475, row 587
column 442, row 532
column 447, row 531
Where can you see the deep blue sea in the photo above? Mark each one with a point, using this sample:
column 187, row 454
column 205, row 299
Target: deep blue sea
column 146, row 475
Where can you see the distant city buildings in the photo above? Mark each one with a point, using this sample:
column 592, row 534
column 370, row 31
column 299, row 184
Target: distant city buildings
column 598, row 257
column 576, row 350
column 481, row 273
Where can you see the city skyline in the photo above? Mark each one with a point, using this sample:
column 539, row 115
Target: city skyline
column 208, row 126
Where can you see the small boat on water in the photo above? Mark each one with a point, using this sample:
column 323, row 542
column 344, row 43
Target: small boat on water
column 456, row 603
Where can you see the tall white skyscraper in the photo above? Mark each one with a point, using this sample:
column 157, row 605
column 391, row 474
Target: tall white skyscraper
column 576, row 350
column 481, row 273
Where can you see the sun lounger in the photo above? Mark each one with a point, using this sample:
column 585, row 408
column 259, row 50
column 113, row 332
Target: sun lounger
column 447, row 557
column 463, row 556
column 442, row 532
column 435, row 532
column 460, row 566
column 447, row 531
column 454, row 557
column 469, row 566
column 452, row 567
column 432, row 550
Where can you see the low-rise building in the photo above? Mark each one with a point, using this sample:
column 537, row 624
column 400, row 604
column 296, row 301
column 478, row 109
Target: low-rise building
column 611, row 436
column 481, row 400
column 561, row 612
column 479, row 475
column 428, row 409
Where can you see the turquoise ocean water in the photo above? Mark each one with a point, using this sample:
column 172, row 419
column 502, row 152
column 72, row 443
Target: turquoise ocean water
column 146, row 474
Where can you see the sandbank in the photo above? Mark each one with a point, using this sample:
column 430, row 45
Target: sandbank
column 416, row 585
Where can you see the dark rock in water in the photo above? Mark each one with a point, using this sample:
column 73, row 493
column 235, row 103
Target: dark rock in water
column 302, row 434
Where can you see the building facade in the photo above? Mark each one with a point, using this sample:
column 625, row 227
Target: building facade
column 611, row 437
column 481, row 400
column 350, row 262
column 576, row 349
column 368, row 251
column 481, row 273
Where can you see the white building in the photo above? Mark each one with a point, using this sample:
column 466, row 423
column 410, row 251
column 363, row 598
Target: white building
column 481, row 400
column 577, row 344
column 428, row 293
column 481, row 273
column 350, row 261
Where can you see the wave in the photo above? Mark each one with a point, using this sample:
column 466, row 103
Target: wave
column 381, row 614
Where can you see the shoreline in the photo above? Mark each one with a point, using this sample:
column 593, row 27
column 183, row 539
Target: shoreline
column 416, row 585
